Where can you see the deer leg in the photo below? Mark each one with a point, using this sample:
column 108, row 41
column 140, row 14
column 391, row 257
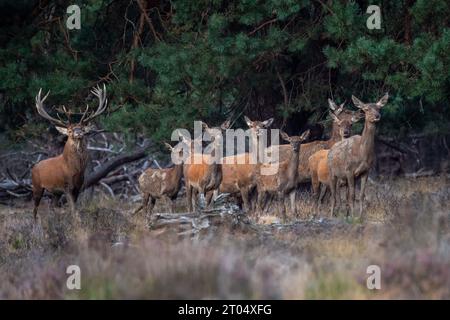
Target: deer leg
column 259, row 201
column 150, row 207
column 71, row 201
column 292, row 200
column 282, row 204
column 56, row 200
column 315, row 183
column 75, row 194
column 195, row 204
column 169, row 203
column 323, row 191
column 351, row 193
column 244, row 195
column 333, row 182
column 144, row 203
column 362, row 193
column 189, row 198
column 37, row 196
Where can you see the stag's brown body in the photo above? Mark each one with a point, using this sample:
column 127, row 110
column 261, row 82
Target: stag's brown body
column 64, row 173
column 354, row 157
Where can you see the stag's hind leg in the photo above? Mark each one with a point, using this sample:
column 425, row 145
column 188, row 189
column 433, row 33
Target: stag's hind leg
column 37, row 196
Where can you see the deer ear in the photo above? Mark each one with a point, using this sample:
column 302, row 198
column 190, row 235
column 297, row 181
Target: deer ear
column 285, row 136
column 305, row 135
column 268, row 122
column 168, row 146
column 356, row 116
column 340, row 109
column 88, row 129
column 383, row 100
column 225, row 125
column 204, row 125
column 332, row 105
column 61, row 130
column 357, row 102
column 248, row 121
column 335, row 118
column 183, row 137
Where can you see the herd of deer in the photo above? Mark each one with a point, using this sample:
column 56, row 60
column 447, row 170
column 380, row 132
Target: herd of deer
column 328, row 164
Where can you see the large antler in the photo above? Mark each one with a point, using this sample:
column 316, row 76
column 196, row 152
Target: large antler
column 43, row 113
column 102, row 104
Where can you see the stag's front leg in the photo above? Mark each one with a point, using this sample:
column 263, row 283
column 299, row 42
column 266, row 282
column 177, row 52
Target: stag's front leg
column 73, row 211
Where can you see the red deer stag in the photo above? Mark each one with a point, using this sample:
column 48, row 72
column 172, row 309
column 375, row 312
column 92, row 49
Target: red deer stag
column 239, row 171
column 160, row 184
column 353, row 157
column 284, row 182
column 203, row 172
column 65, row 173
column 317, row 163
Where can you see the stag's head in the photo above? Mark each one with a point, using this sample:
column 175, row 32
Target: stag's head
column 371, row 110
column 75, row 131
column 295, row 141
column 343, row 118
column 258, row 126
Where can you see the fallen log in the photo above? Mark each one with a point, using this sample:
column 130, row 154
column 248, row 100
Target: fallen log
column 114, row 163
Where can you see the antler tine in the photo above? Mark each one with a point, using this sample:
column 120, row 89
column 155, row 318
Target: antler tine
column 84, row 113
column 43, row 113
column 103, row 103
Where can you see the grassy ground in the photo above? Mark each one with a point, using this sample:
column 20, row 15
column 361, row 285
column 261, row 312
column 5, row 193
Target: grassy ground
column 406, row 233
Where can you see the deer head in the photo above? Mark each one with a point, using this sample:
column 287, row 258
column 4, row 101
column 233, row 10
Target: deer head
column 178, row 152
column 74, row 131
column 216, row 132
column 343, row 118
column 258, row 126
column 371, row 110
column 295, row 141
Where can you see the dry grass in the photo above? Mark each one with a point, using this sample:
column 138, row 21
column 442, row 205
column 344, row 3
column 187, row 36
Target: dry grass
column 406, row 233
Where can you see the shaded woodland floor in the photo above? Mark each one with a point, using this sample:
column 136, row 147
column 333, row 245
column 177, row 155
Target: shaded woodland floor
column 406, row 233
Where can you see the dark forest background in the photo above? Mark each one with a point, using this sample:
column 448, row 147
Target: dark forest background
column 167, row 63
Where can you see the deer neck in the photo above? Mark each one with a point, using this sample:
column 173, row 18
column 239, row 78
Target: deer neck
column 335, row 136
column 75, row 154
column 179, row 171
column 368, row 140
column 292, row 169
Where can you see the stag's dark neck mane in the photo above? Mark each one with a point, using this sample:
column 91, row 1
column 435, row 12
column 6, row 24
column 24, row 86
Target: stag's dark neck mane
column 75, row 154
